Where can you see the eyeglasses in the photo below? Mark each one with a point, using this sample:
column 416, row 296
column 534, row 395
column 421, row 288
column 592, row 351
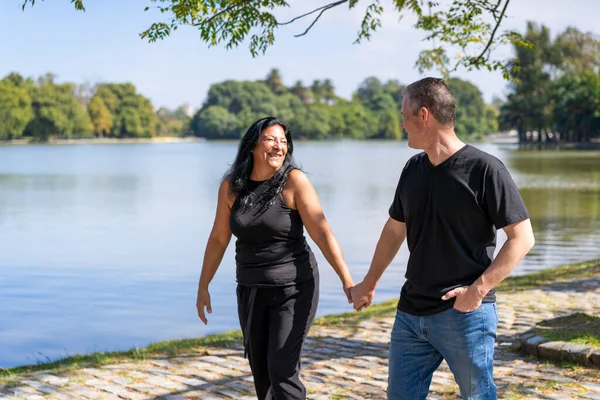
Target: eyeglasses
column 271, row 141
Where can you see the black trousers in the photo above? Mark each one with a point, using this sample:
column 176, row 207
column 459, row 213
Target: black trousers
column 275, row 322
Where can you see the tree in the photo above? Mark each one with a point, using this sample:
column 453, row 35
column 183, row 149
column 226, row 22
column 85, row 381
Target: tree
column 461, row 29
column 395, row 89
column 470, row 109
column 532, row 85
column 316, row 123
column 577, row 52
column 490, row 119
column 173, row 123
column 132, row 114
column 357, row 120
column 553, row 93
column 381, row 101
column 18, row 80
column 317, row 90
column 236, row 96
column 215, row 122
column 368, row 88
column 56, row 111
column 302, row 92
column 15, row 108
column 578, row 106
column 328, row 91
column 288, row 106
column 389, row 125
column 275, row 82
column 100, row 116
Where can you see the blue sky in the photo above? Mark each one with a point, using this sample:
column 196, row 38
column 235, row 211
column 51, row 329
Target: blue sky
column 102, row 44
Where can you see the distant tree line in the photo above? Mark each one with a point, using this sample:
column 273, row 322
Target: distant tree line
column 42, row 109
column 315, row 111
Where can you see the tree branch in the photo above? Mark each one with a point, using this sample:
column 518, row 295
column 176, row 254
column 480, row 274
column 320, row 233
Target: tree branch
column 208, row 21
column 323, row 8
column 498, row 22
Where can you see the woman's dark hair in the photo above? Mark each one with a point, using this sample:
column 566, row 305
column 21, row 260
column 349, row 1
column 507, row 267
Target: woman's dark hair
column 240, row 171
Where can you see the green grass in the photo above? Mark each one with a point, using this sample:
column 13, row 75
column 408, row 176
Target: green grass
column 352, row 319
column 11, row 383
column 577, row 328
column 168, row 348
column 585, row 270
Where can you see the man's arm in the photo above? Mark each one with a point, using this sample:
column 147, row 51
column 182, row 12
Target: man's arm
column 392, row 237
column 519, row 241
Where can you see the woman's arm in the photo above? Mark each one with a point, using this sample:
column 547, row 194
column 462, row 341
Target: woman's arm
column 307, row 203
column 215, row 248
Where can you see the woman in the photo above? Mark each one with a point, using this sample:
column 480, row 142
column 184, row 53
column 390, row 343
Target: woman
column 265, row 201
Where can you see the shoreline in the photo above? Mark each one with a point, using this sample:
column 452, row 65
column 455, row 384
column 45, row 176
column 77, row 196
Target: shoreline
column 171, row 348
column 160, row 140
column 574, row 146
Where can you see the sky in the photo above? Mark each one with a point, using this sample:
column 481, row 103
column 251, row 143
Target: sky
column 102, row 44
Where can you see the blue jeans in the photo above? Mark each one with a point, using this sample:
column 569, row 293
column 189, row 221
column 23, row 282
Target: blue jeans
column 465, row 340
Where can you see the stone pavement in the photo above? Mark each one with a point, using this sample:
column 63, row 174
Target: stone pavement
column 339, row 363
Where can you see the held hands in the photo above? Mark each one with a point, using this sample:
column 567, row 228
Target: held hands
column 202, row 301
column 467, row 298
column 362, row 296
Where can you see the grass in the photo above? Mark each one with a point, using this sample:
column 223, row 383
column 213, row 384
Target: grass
column 577, row 328
column 339, row 394
column 585, row 270
column 166, row 348
column 352, row 319
column 11, row 383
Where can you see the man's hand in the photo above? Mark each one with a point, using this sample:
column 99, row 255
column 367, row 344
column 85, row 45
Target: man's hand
column 202, row 301
column 467, row 298
column 362, row 296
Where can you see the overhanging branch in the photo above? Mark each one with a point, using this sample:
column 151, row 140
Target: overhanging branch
column 324, row 8
column 491, row 40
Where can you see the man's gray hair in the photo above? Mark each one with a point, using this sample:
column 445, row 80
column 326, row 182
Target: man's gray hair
column 434, row 95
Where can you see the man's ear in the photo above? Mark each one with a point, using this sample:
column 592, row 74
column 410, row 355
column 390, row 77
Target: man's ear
column 424, row 114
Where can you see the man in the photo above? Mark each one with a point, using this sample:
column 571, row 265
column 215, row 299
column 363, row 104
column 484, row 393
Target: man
column 449, row 202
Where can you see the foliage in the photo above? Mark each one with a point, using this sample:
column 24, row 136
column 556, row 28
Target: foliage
column 56, row 112
column 132, row 114
column 462, row 33
column 15, row 109
column 100, row 116
column 173, row 123
column 316, row 112
column 555, row 96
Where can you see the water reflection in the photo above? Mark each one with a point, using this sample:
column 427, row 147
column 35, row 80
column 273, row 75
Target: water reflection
column 562, row 192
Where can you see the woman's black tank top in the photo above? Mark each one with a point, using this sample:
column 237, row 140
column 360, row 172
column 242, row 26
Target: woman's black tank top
column 270, row 249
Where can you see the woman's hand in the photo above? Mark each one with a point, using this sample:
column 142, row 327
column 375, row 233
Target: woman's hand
column 347, row 285
column 203, row 301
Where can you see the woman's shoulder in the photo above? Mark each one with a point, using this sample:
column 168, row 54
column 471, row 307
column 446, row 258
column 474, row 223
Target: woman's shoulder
column 297, row 178
column 225, row 190
column 225, row 183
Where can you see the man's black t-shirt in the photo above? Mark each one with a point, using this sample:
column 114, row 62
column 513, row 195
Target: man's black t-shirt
column 451, row 212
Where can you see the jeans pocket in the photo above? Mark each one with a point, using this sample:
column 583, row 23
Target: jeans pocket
column 467, row 312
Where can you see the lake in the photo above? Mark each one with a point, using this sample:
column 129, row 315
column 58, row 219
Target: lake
column 102, row 245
